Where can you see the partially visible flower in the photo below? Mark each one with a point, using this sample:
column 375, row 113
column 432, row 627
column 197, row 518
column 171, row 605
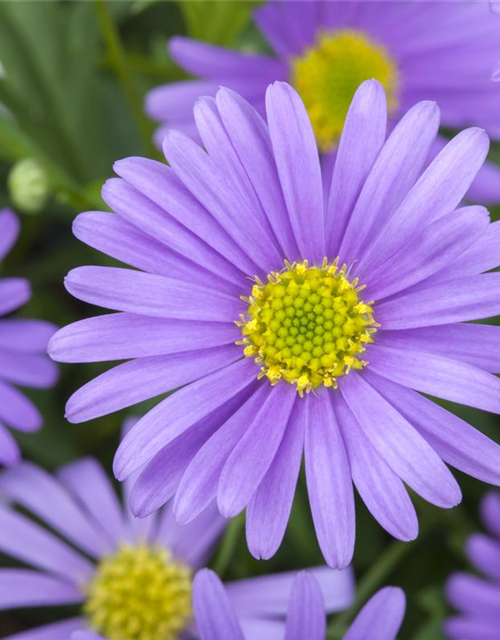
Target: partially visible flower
column 23, row 346
column 29, row 186
column 132, row 578
column 477, row 599
column 294, row 324
column 216, row 618
column 434, row 50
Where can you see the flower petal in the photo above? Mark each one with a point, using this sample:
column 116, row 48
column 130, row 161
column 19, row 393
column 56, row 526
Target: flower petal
column 297, row 160
column 9, row 231
column 215, row 617
column 329, row 481
column 23, row 588
column 56, row 631
column 381, row 617
column 14, row 292
column 306, row 611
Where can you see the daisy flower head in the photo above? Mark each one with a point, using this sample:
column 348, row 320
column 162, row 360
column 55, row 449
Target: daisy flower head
column 23, row 347
column 131, row 579
column 433, row 50
column 477, row 599
column 379, row 619
column 293, row 323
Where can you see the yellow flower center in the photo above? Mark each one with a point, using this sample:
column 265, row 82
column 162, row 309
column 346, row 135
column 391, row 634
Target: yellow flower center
column 139, row 593
column 307, row 325
column 328, row 74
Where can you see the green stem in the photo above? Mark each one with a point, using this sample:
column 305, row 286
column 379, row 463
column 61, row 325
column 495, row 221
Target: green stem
column 376, row 575
column 118, row 61
column 226, row 550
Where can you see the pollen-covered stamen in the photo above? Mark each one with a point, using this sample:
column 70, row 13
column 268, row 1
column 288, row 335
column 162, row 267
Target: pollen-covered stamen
column 328, row 74
column 307, row 325
column 139, row 593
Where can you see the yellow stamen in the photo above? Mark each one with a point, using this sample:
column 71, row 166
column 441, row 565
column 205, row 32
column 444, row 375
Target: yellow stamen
column 328, row 74
column 139, row 593
column 307, row 326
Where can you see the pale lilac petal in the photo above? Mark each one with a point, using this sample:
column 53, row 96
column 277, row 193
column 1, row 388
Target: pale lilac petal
column 91, row 486
column 57, row 631
column 362, row 139
column 150, row 295
column 251, row 458
column 17, row 410
column 25, row 336
column 476, row 344
column 27, row 370
column 10, row 453
column 431, row 249
column 484, row 553
column 160, row 479
column 86, row 635
column 174, row 101
column 472, row 595
column 393, row 173
column 28, row 542
column 114, row 236
column 215, row 618
column 379, row 487
column 121, row 336
column 199, row 483
column 250, row 136
column 306, row 611
column 381, row 617
column 138, row 380
column 438, row 191
column 297, row 161
column 289, row 28
column 469, row 298
column 258, row 628
column 221, row 197
column 14, row 292
column 269, row 508
column 209, row 61
column 38, row 491
column 438, row 376
column 179, row 412
column 9, row 231
column 270, row 595
column 329, row 481
column 490, row 512
column 160, row 205
column 195, row 542
column 472, row 628
column 453, row 439
column 23, row 588
column 399, row 443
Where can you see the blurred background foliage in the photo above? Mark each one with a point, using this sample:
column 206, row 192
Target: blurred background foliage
column 73, row 76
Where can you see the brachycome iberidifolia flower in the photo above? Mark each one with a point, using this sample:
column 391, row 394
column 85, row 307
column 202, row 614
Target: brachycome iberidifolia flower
column 379, row 619
column 433, row 50
column 131, row 579
column 23, row 347
column 293, row 323
column 477, row 598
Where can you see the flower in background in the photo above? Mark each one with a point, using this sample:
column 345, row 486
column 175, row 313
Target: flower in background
column 443, row 51
column 478, row 599
column 293, row 324
column 379, row 619
column 132, row 578
column 23, row 347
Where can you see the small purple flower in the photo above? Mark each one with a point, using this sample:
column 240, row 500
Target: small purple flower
column 23, row 346
column 132, row 578
column 434, row 50
column 478, row 599
column 294, row 324
column 216, row 618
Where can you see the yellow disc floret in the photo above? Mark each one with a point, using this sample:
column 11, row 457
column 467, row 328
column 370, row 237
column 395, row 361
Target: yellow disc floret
column 328, row 74
column 307, row 325
column 139, row 593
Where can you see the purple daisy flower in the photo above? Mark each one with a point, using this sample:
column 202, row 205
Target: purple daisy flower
column 23, row 347
column 255, row 297
column 132, row 578
column 434, row 50
column 216, row 618
column 478, row 599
